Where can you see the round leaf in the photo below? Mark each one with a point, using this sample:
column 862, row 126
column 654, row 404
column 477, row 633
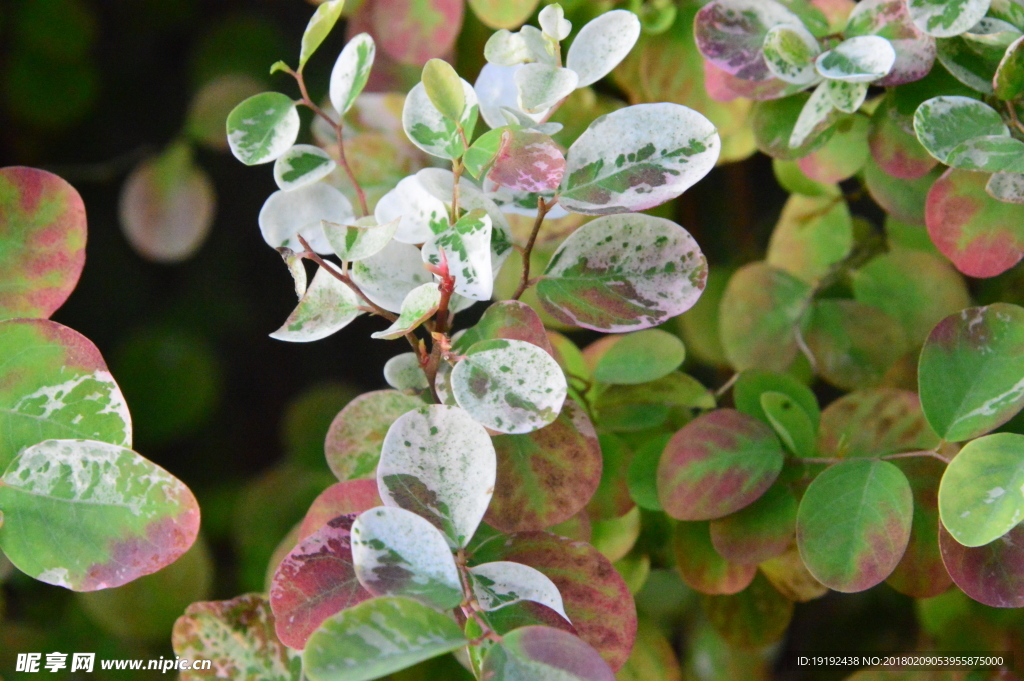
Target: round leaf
column 262, row 128
column 942, row 123
column 341, row 498
column 601, row 44
column 539, row 652
column 299, row 212
column 915, row 50
column 640, row 357
column 945, row 19
column 388, row 276
column 860, row 59
column 403, row 372
column 753, row 618
column 430, row 130
column 893, row 143
column 761, row 531
column 413, row 31
column 361, row 240
column 992, row 574
column 789, row 52
column 1006, row 187
column 351, row 71
column 874, row 422
column 813, row 233
column 420, row 214
column 854, row 344
column 301, row 165
column 357, row 432
column 920, row 573
column 541, row 86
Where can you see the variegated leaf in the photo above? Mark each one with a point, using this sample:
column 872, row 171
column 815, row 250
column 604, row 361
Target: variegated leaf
column 502, row 583
column 327, row 306
column 847, row 96
column 419, row 304
column 318, row 28
column 496, row 89
column 288, row 214
column 301, row 165
column 541, row 86
column 601, row 44
column 861, row 59
column 351, row 71
column 946, row 18
column 915, row 50
column 942, row 123
column 403, row 372
column 355, row 437
column 730, row 34
column 789, row 52
column 262, row 128
column 540, row 652
column 429, row 130
column 814, row 116
column 388, row 276
column 1006, row 187
column 527, row 161
column 467, row 249
column 989, row 153
column 359, row 241
column 420, row 214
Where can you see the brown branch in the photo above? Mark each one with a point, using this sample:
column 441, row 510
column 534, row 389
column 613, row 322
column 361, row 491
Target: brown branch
column 542, row 211
column 310, row 254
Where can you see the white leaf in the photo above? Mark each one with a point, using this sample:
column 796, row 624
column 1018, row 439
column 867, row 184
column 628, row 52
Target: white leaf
column 502, row 583
column 326, row 307
column 300, row 211
column 301, row 165
column 553, row 22
column 511, row 386
column 351, row 70
column 360, row 240
column 541, row 86
column 429, row 130
column 946, row 18
column 439, row 463
column 816, row 110
column 496, row 89
column 1006, row 187
column 388, row 276
column 417, row 307
column 602, row 44
column 860, row 59
column 403, row 372
column 421, row 213
column 467, row 247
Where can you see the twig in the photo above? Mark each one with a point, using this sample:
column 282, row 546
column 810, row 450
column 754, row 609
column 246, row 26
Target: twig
column 824, row 460
column 728, row 384
column 345, row 279
column 542, row 211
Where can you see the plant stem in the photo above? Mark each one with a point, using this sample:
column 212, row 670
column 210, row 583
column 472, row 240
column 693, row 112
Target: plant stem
column 345, row 279
column 542, row 211
column 728, row 384
column 457, row 168
column 470, row 608
column 824, row 460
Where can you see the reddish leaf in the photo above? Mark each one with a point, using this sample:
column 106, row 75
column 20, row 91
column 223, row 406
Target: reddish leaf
column 763, row 530
column 702, row 567
column 315, row 581
column 528, row 161
column 894, row 146
column 992, row 574
column 920, row 572
column 874, row 422
column 904, row 200
column 510, row 320
column 415, row 31
column 357, row 432
column 341, row 498
column 752, row 618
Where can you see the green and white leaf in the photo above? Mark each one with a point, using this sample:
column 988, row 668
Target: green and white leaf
column 553, row 23
column 351, row 71
column 444, row 88
column 541, row 86
column 318, row 28
column 813, row 116
column 300, row 212
column 397, row 553
column 846, row 96
column 378, row 637
column 420, row 214
column 505, row 48
column 439, row 463
column 637, row 158
column 502, row 583
column 428, row 129
column 388, row 276
column 946, row 18
column 601, row 44
column 511, row 386
column 789, row 52
column 1006, row 187
column 943, row 123
column 301, row 165
column 467, row 247
column 403, row 372
column 262, row 128
column 360, row 240
column 417, row 307
column 989, row 153
column 326, row 307
column 860, row 59
column 981, row 496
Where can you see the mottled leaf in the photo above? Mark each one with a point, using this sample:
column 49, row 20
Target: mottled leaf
column 341, row 498
column 623, row 273
column 377, row 637
column 920, row 573
column 761, row 531
column 314, row 581
column 360, row 240
column 357, row 432
column 42, row 226
column 351, row 71
column 846, row 96
column 301, row 165
column 874, row 422
column 760, row 310
column 992, row 574
column 894, row 144
column 1006, row 187
column 717, row 464
column 262, row 128
column 853, row 344
column 942, row 123
column 319, row 27
column 428, row 129
column 511, row 386
column 701, row 566
column 789, row 52
column 527, row 161
column 601, row 44
column 854, row 523
column 508, row 319
column 238, row 637
column 398, row 553
column 388, row 276
column 640, row 357
column 90, row 515
column 945, row 18
column 915, row 50
column 418, row 306
column 545, row 477
column 1009, row 79
column 539, row 652
column 440, row 463
column 637, row 158
column 466, row 246
column 730, row 34
column 971, row 373
column 502, row 583
column 413, row 31
column 861, row 59
column 286, row 215
column 813, row 234
column 753, row 618
column 327, row 306
column 420, row 214
column 989, row 153
column 503, row 13
column 403, row 372
column 815, row 116
column 55, row 384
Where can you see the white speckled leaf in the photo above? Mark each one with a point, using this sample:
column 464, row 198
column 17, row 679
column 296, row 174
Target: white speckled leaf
column 388, row 276
column 301, row 165
column 262, row 128
column 623, row 273
column 789, row 52
column 439, row 463
column 860, row 59
column 429, row 130
column 637, row 158
column 417, row 307
column 943, row 123
column 300, row 211
column 378, row 637
column 847, row 96
column 989, row 153
column 397, row 553
column 1006, row 187
column 814, row 117
column 467, row 247
column 946, row 18
column 502, row 583
column 90, row 515
column 541, row 86
column 359, row 241
column 511, row 386
column 351, row 70
column 496, row 88
column 421, row 214
column 326, row 307
column 602, row 44
column 403, row 372
column 915, row 50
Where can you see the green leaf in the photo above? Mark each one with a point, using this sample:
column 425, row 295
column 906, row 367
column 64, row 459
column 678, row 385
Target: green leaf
column 971, row 372
column 642, row 475
column 482, row 153
column 989, row 153
column 279, row 65
column 539, row 652
column 42, row 224
column 420, row 213
column 903, row 200
column 612, row 500
column 759, row 532
column 894, row 144
column 753, row 618
column 621, row 408
column 90, row 515
column 875, row 422
column 438, row 462
column 511, row 386
column 238, row 637
column 546, row 476
column 378, row 637
column 980, row 497
column 301, row 165
column 351, row 71
column 623, row 273
column 789, row 52
column 702, row 567
column 467, row 248
column 717, row 464
column 860, row 59
column 637, row 158
column 774, row 124
column 943, row 19
column 791, row 423
column 752, row 384
column 55, row 384
column 325, row 308
column 812, row 234
column 503, row 583
column 601, row 44
column 318, row 28
column 431, row 131
column 853, row 344
column 853, row 523
column 444, row 88
column 942, row 123
column 503, row 13
column 846, row 96
column 760, row 310
column 992, row 574
column 640, row 357
column 920, row 573
column 361, row 240
column 398, row 553
column 357, row 432
column 842, row 156
column 262, row 128
column 1009, row 78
